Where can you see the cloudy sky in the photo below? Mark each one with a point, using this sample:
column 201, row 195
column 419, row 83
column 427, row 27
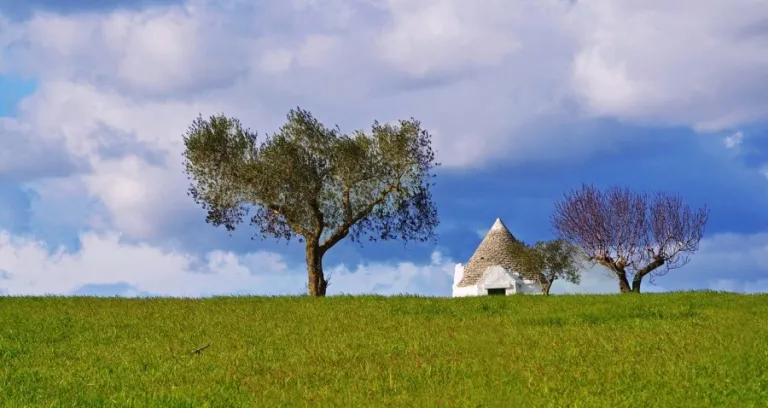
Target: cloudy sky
column 525, row 98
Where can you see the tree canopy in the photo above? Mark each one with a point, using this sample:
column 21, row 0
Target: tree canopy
column 549, row 261
column 315, row 183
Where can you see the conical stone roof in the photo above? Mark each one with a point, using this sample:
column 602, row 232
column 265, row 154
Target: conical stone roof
column 492, row 251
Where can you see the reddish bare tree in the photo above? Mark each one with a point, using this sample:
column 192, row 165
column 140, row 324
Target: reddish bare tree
column 631, row 234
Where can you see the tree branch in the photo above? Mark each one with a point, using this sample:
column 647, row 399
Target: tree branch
column 297, row 228
column 352, row 219
column 318, row 218
column 657, row 262
column 346, row 203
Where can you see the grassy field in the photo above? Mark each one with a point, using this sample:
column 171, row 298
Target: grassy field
column 666, row 350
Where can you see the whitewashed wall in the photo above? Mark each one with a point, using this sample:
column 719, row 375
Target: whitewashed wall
column 494, row 277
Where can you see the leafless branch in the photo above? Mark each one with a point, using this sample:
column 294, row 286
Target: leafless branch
column 629, row 233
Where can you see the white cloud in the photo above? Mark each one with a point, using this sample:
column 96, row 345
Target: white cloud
column 733, row 140
column 437, row 36
column 735, row 252
column 137, row 207
column 486, row 70
column 31, row 268
column 729, row 262
column 599, row 280
column 687, row 62
column 317, row 50
column 732, row 285
column 24, row 160
column 276, row 61
column 158, row 51
column 140, row 197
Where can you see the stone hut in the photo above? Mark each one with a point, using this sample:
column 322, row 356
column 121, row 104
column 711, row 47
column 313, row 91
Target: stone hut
column 491, row 270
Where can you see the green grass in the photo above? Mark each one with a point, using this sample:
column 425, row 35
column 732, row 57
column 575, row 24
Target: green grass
column 665, row 350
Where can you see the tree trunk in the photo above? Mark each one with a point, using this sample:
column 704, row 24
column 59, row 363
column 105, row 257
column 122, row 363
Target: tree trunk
column 619, row 271
column 640, row 274
column 545, row 288
column 636, row 281
column 317, row 282
column 623, row 282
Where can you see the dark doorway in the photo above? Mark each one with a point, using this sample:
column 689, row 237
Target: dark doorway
column 497, row 291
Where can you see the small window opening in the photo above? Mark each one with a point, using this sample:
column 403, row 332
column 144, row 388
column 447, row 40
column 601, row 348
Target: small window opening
column 497, row 291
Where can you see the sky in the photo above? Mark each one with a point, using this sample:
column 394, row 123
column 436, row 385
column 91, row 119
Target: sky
column 525, row 99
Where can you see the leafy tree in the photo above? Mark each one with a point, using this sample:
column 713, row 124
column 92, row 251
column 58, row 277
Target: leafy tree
column 549, row 261
column 631, row 234
column 314, row 183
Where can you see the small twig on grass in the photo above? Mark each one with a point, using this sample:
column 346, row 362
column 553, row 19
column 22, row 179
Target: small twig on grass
column 201, row 349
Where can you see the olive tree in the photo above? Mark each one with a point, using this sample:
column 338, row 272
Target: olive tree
column 314, row 183
column 633, row 235
column 548, row 261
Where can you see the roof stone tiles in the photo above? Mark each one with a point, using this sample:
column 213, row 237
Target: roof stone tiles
column 492, row 251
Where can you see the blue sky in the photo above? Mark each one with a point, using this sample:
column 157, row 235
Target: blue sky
column 12, row 90
column 525, row 101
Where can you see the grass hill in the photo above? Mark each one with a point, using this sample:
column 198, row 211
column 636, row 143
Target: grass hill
column 668, row 350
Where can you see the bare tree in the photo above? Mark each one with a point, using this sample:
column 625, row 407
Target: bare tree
column 631, row 234
column 548, row 261
column 314, row 183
